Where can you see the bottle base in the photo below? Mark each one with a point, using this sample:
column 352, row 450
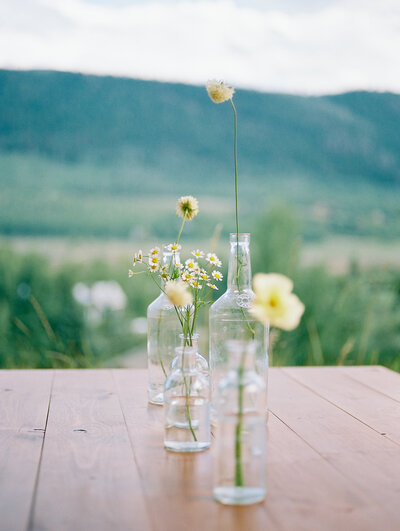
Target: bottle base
column 157, row 399
column 186, row 446
column 239, row 495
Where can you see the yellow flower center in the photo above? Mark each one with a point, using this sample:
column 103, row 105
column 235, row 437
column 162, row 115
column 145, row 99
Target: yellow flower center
column 273, row 301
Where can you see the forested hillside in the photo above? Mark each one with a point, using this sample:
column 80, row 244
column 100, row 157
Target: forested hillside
column 82, row 148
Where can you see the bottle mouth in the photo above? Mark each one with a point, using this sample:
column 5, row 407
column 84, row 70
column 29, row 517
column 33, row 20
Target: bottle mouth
column 243, row 237
column 168, row 251
column 188, row 338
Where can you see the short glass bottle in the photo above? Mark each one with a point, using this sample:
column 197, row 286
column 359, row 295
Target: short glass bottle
column 240, row 454
column 229, row 317
column 187, row 403
column 163, row 330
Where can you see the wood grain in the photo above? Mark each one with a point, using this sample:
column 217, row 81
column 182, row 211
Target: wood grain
column 24, row 402
column 88, row 478
column 369, row 461
column 376, row 377
column 371, row 407
column 99, row 462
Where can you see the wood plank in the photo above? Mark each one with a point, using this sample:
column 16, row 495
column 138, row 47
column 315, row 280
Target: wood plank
column 306, row 493
column 369, row 461
column 378, row 378
column 373, row 408
column 88, row 478
column 304, row 489
column 24, row 402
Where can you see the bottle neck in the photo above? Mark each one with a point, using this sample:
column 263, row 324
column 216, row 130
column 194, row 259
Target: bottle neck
column 168, row 262
column 239, row 269
column 188, row 342
column 241, row 355
column 187, row 352
column 170, row 258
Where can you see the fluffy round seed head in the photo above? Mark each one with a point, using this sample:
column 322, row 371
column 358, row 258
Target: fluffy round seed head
column 187, row 207
column 219, row 91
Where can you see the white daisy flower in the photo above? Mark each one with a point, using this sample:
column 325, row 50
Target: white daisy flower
column 178, row 265
column 195, row 284
column 186, row 276
column 139, row 256
column 154, row 251
column 217, row 275
column 174, row 247
column 134, row 261
column 218, row 263
column 191, row 264
column 130, row 273
column 203, row 275
column 212, row 258
column 197, row 253
column 154, row 267
column 154, row 259
column 212, row 286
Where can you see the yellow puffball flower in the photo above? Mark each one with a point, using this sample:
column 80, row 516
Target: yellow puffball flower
column 187, row 207
column 274, row 303
column 178, row 293
column 219, row 91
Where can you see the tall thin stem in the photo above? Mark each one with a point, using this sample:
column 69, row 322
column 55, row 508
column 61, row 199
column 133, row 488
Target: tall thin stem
column 239, row 479
column 180, row 230
column 236, row 188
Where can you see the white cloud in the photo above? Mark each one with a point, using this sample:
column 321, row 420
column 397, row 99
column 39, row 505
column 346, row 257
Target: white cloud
column 324, row 46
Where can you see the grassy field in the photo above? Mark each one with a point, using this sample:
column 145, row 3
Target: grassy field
column 336, row 253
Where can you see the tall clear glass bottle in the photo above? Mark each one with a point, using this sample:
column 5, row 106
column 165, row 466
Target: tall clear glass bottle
column 163, row 329
column 229, row 318
column 241, row 438
column 187, row 402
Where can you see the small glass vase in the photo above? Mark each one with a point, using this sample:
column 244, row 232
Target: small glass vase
column 240, row 458
column 163, row 329
column 229, row 317
column 187, row 403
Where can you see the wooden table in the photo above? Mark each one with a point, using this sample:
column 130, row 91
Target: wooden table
column 82, row 450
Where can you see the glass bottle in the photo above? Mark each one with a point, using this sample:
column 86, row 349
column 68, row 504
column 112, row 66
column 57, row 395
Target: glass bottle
column 240, row 455
column 163, row 330
column 187, row 403
column 229, row 318
column 201, row 362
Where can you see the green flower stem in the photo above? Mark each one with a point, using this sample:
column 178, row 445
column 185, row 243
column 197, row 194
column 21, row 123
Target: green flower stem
column 236, row 187
column 181, row 229
column 158, row 348
column 187, row 387
column 239, row 480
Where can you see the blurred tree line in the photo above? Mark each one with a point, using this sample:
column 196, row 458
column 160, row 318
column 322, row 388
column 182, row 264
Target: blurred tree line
column 352, row 318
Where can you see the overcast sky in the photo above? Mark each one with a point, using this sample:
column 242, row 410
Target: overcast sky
column 297, row 46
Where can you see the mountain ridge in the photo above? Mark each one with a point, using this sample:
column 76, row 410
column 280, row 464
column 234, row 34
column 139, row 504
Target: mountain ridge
column 74, row 117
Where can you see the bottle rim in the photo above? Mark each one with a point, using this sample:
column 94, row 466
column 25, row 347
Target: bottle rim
column 243, row 236
column 193, row 336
